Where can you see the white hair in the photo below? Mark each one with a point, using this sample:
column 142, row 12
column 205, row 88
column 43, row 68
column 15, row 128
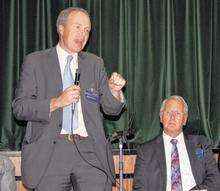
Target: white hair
column 175, row 97
column 62, row 17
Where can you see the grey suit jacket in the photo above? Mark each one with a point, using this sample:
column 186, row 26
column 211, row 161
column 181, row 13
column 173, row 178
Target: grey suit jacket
column 150, row 168
column 7, row 174
column 40, row 80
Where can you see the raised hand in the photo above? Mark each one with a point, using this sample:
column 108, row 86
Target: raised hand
column 116, row 83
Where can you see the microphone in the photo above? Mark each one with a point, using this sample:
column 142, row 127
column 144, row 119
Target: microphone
column 73, row 105
column 77, row 77
column 125, row 135
column 76, row 82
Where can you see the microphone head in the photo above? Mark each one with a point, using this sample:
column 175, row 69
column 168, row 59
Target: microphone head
column 77, row 77
column 77, row 71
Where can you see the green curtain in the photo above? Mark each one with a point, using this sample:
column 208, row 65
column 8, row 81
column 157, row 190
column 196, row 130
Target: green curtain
column 161, row 47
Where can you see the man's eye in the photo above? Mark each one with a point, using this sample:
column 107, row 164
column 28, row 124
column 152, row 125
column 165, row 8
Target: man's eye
column 167, row 113
column 77, row 27
column 87, row 31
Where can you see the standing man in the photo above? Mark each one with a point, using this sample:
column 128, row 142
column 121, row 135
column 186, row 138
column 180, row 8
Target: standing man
column 174, row 161
column 64, row 144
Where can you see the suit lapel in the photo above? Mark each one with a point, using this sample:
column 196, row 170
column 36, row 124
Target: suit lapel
column 54, row 70
column 82, row 68
column 160, row 152
column 82, row 82
column 54, row 76
column 191, row 148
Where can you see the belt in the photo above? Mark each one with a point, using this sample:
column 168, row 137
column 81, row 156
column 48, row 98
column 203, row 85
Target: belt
column 71, row 137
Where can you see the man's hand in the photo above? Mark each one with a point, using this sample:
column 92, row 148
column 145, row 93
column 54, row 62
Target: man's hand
column 116, row 83
column 69, row 96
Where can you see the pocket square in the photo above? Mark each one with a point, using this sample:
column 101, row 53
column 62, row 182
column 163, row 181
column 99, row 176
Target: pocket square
column 199, row 153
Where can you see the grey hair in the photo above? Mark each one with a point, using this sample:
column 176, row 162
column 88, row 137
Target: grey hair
column 175, row 97
column 62, row 17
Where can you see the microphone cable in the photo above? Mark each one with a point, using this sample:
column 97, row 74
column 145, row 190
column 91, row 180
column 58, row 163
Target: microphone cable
column 76, row 82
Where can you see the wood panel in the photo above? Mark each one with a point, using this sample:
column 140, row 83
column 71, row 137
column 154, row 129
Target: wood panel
column 17, row 162
column 129, row 161
column 128, row 183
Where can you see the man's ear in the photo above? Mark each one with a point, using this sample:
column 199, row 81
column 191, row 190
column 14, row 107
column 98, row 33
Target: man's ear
column 185, row 119
column 161, row 115
column 60, row 29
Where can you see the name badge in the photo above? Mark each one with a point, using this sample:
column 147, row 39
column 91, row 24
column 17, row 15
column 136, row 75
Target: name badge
column 92, row 96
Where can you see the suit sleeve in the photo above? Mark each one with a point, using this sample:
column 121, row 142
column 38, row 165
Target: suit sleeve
column 110, row 105
column 139, row 172
column 27, row 105
column 211, row 180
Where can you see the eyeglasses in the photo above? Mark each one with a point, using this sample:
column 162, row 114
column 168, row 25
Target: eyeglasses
column 177, row 114
column 79, row 28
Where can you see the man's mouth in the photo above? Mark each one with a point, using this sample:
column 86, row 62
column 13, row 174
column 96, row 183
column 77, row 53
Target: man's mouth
column 78, row 41
column 172, row 124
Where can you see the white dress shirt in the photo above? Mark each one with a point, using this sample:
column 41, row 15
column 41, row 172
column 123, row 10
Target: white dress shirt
column 188, row 180
column 62, row 55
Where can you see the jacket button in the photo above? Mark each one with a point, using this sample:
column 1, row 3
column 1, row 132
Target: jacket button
column 54, row 142
column 60, row 125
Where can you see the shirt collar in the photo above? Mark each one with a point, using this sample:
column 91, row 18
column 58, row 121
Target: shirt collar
column 167, row 138
column 63, row 53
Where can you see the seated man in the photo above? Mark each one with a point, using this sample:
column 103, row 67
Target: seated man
column 7, row 174
column 174, row 161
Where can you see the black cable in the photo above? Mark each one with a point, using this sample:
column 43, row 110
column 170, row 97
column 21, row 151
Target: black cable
column 78, row 150
column 76, row 82
column 73, row 107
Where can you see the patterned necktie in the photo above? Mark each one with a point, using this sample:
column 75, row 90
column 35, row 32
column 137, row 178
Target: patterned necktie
column 176, row 182
column 68, row 119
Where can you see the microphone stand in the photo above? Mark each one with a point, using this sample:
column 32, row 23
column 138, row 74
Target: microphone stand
column 121, row 164
column 122, row 139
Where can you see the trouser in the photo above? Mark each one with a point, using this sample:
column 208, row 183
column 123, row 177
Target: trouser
column 69, row 168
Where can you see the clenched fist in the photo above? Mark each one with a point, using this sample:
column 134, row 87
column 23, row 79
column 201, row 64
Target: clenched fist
column 116, row 83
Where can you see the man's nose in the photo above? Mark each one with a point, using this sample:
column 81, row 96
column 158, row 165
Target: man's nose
column 172, row 116
column 82, row 32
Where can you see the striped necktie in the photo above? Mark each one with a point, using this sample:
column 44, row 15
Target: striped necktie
column 176, row 182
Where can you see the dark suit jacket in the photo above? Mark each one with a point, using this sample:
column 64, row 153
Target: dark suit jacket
column 150, row 168
column 41, row 80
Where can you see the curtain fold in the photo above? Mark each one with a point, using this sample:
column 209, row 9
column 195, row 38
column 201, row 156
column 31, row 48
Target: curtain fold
column 161, row 47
